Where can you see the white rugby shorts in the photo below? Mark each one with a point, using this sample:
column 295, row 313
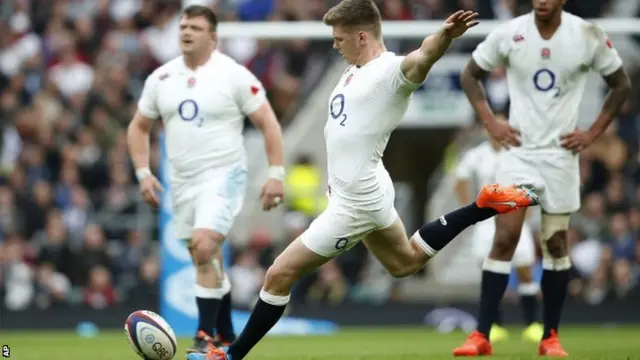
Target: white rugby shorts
column 555, row 176
column 483, row 235
column 212, row 201
column 342, row 225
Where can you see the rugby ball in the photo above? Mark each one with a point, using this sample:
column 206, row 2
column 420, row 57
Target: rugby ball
column 150, row 336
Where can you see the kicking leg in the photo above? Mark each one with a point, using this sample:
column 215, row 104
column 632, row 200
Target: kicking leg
column 403, row 258
column 294, row 262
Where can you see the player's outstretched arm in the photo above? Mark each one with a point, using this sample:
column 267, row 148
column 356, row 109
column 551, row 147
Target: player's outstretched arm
column 265, row 119
column 471, row 82
column 417, row 64
column 620, row 86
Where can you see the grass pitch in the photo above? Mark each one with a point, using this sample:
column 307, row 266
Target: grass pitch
column 620, row 343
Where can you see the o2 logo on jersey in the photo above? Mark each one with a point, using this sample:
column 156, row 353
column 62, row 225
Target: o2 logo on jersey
column 336, row 108
column 545, row 80
column 188, row 111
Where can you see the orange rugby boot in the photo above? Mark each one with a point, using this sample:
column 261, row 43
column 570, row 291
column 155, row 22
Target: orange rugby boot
column 551, row 346
column 476, row 345
column 506, row 199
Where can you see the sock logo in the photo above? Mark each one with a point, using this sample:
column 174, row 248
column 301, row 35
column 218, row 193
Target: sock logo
column 443, row 221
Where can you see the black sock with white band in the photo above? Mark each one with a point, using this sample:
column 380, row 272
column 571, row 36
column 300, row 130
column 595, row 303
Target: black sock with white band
column 434, row 236
column 528, row 300
column 208, row 302
column 265, row 315
column 224, row 325
column 554, row 285
column 495, row 278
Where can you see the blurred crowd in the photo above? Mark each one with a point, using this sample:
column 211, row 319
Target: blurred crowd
column 72, row 227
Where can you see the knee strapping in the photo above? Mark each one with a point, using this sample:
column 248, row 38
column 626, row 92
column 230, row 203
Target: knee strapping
column 550, row 225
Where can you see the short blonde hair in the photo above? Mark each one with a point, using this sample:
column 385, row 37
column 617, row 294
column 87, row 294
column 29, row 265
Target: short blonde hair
column 358, row 14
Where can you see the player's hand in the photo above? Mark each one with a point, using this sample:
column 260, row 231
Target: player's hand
column 272, row 194
column 149, row 189
column 504, row 133
column 577, row 140
column 459, row 22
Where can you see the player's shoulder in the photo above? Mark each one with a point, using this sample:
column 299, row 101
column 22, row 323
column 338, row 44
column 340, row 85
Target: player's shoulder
column 226, row 63
column 515, row 26
column 165, row 70
column 585, row 28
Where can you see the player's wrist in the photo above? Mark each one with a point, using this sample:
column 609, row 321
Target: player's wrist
column 143, row 173
column 276, row 172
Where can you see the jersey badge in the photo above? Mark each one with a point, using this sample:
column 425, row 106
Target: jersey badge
column 163, row 76
column 348, row 80
column 191, row 82
column 517, row 38
column 545, row 53
column 609, row 43
column 254, row 89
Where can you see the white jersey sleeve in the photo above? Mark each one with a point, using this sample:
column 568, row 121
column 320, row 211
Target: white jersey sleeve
column 606, row 59
column 465, row 169
column 491, row 53
column 248, row 90
column 397, row 81
column 148, row 103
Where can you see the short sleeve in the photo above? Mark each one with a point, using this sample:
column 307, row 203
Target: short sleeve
column 399, row 82
column 249, row 91
column 464, row 170
column 489, row 54
column 605, row 59
column 148, row 103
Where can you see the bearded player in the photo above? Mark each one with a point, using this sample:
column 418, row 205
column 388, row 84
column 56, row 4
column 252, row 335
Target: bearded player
column 202, row 98
column 547, row 54
column 365, row 107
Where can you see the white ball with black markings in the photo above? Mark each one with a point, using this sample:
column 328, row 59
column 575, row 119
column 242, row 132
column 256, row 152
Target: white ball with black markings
column 150, row 336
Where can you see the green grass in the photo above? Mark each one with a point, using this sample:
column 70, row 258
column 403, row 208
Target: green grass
column 621, row 343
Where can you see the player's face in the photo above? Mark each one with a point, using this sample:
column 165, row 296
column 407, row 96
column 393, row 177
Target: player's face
column 195, row 34
column 347, row 42
column 547, row 9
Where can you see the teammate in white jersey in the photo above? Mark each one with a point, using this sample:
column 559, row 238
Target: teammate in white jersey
column 476, row 168
column 547, row 54
column 366, row 106
column 202, row 98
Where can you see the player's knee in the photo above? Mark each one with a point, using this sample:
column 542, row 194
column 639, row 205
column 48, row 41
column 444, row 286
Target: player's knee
column 557, row 245
column 505, row 243
column 205, row 247
column 279, row 279
column 554, row 235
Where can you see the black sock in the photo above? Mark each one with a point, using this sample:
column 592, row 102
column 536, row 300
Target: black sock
column 224, row 326
column 529, row 305
column 493, row 287
column 554, row 286
column 263, row 317
column 498, row 319
column 208, row 312
column 437, row 234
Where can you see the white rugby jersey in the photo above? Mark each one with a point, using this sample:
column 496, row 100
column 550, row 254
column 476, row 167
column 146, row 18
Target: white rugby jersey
column 203, row 111
column 366, row 105
column 479, row 165
column 546, row 77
